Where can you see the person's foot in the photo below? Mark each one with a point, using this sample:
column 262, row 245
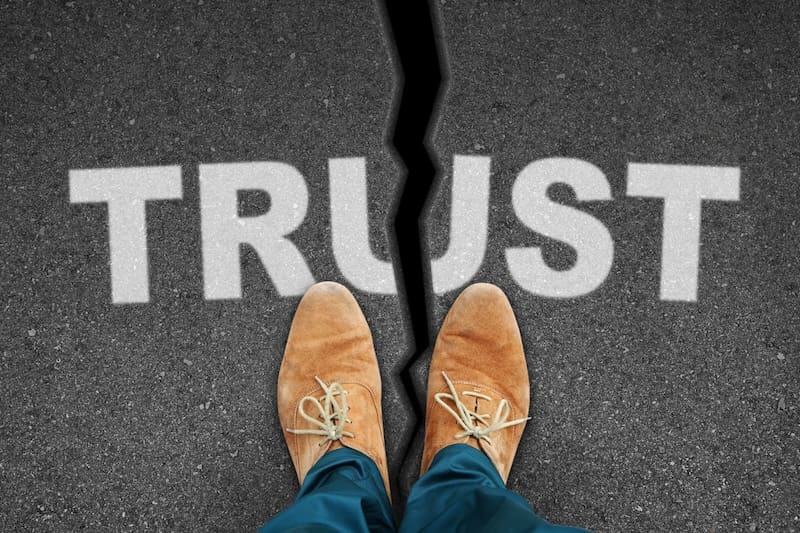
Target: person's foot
column 478, row 387
column 329, row 384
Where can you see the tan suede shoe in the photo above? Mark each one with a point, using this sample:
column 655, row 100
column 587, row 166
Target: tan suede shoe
column 478, row 387
column 329, row 385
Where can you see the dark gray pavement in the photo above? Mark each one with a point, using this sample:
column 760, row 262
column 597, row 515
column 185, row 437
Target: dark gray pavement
column 648, row 415
column 161, row 416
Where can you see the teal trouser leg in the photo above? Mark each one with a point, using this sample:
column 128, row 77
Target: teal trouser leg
column 462, row 491
column 343, row 491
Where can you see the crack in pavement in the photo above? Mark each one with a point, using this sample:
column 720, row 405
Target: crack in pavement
column 411, row 28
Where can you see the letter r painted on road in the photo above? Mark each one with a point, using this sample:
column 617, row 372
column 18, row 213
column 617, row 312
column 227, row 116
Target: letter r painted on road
column 683, row 187
column 126, row 190
column 224, row 230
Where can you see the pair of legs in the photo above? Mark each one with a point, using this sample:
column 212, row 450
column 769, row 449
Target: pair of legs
column 329, row 404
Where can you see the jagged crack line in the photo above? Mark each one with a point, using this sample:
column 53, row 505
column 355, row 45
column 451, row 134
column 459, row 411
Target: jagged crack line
column 411, row 28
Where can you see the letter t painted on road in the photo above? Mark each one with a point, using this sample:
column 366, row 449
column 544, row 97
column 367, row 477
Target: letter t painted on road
column 126, row 190
column 682, row 187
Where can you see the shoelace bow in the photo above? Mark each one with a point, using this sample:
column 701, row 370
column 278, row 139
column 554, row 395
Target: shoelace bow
column 466, row 418
column 332, row 412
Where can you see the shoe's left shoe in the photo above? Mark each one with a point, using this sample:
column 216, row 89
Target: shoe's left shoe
column 478, row 385
column 329, row 384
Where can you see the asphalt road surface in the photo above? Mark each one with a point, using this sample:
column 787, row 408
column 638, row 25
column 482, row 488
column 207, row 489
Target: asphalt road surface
column 648, row 414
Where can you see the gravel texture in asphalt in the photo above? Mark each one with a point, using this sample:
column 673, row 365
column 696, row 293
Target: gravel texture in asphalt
column 648, row 415
column 161, row 416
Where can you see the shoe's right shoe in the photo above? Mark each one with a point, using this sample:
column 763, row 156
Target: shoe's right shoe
column 478, row 385
column 329, row 384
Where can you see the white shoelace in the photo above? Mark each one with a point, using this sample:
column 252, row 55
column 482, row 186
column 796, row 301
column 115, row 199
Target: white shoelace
column 466, row 418
column 333, row 413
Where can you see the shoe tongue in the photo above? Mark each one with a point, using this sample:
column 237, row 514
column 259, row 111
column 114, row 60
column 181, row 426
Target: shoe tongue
column 480, row 405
